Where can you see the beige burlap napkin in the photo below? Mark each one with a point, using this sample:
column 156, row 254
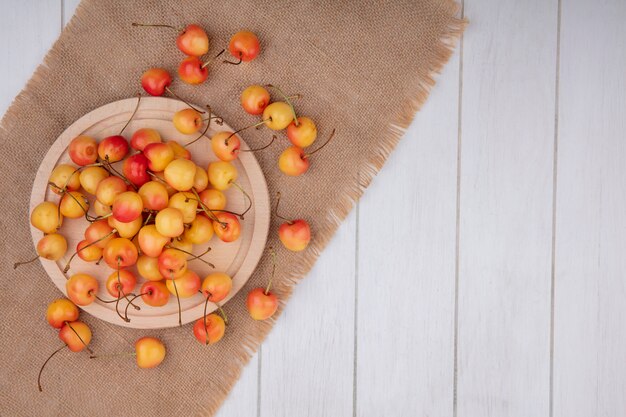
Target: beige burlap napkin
column 363, row 68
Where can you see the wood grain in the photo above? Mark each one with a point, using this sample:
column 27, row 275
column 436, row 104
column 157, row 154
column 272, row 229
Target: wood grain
column 590, row 296
column 405, row 358
column 508, row 104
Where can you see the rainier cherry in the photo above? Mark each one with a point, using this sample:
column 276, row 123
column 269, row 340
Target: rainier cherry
column 179, row 150
column 209, row 329
column 187, row 121
column 83, row 150
column 100, row 233
column 213, row 199
column 255, row 99
column 222, row 174
column 109, row 188
column 180, row 174
column 127, row 230
column 143, row 137
column 73, row 205
column 200, row 230
column 226, row 226
column 156, row 81
column 154, row 293
column 149, row 353
column 244, row 45
column 261, row 303
column 278, row 115
column 295, row 235
column 159, row 155
column 294, row 161
column 120, row 283
column 154, row 195
column 120, row 253
column 81, row 289
column 113, row 148
column 187, row 285
column 193, row 71
column 304, row 133
column 192, row 40
column 216, row 286
column 127, row 206
column 64, row 178
column 53, row 246
column 200, row 180
column 46, row 217
column 172, row 263
column 151, row 241
column 90, row 177
column 135, row 169
column 61, row 310
column 187, row 204
column 148, row 268
column 225, row 145
column 169, row 222
column 88, row 252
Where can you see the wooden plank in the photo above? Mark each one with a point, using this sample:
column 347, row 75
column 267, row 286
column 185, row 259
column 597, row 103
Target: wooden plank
column 406, row 280
column 590, row 259
column 29, row 29
column 307, row 362
column 505, row 233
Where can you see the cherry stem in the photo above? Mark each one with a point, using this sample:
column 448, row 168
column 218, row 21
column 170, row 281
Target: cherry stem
column 180, row 320
column 156, row 26
column 132, row 115
column 234, row 63
column 207, row 210
column 120, row 289
column 169, row 90
column 324, row 144
column 117, row 173
column 269, row 284
column 205, row 129
column 44, row 365
column 79, row 338
column 218, row 120
column 67, row 265
column 247, row 127
column 206, row 327
column 274, row 137
column 193, row 257
column 148, row 218
column 222, row 313
column 240, row 188
column 276, row 210
column 156, row 177
column 113, row 355
column 213, row 59
column 288, row 100
column 17, row 264
column 126, row 319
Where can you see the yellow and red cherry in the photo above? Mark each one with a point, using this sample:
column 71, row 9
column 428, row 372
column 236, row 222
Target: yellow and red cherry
column 61, row 310
column 294, row 161
column 193, row 71
column 209, row 329
column 83, row 150
column 227, row 227
column 187, row 203
column 46, row 217
column 149, row 352
column 216, row 286
column 187, row 121
column 90, row 177
column 64, row 178
column 222, row 174
column 148, row 267
column 278, row 115
column 225, row 145
column 255, row 99
column 100, row 233
column 261, row 304
column 159, row 156
column 73, row 205
column 127, row 206
column 109, row 188
column 120, row 283
column 127, row 230
column 156, row 81
column 295, row 235
column 101, row 209
column 179, row 150
column 135, row 169
column 120, row 253
column 154, row 195
column 88, row 252
column 151, row 241
column 53, row 246
column 192, row 40
column 200, row 230
column 113, row 148
column 213, row 199
column 155, row 293
column 169, row 222
column 244, row 45
column 304, row 133
column 76, row 335
column 200, row 180
column 187, row 285
column 180, row 174
column 143, row 137
column 81, row 289
column 172, row 263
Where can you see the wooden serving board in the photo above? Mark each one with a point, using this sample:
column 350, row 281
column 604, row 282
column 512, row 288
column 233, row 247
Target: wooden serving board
column 238, row 259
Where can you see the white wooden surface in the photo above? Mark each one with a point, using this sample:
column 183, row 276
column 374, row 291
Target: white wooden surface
column 502, row 290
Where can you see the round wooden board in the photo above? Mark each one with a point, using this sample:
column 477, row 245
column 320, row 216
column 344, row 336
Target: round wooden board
column 238, row 259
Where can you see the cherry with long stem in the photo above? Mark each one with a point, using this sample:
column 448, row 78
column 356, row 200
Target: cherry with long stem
column 206, row 209
column 207, row 296
column 79, row 338
column 132, row 115
column 44, row 365
column 246, row 195
column 322, row 146
column 287, row 100
column 130, row 302
column 18, row 264
column 67, row 265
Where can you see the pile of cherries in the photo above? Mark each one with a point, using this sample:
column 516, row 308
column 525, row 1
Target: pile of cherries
column 152, row 203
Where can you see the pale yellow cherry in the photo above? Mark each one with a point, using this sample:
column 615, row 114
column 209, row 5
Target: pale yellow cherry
column 222, row 174
column 127, row 230
column 180, row 174
column 65, row 177
column 148, row 268
column 169, row 222
column 150, row 241
column 74, row 205
column 45, row 217
column 187, row 203
column 213, row 199
column 200, row 230
column 52, row 246
column 90, row 177
column 154, row 195
column 200, row 180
